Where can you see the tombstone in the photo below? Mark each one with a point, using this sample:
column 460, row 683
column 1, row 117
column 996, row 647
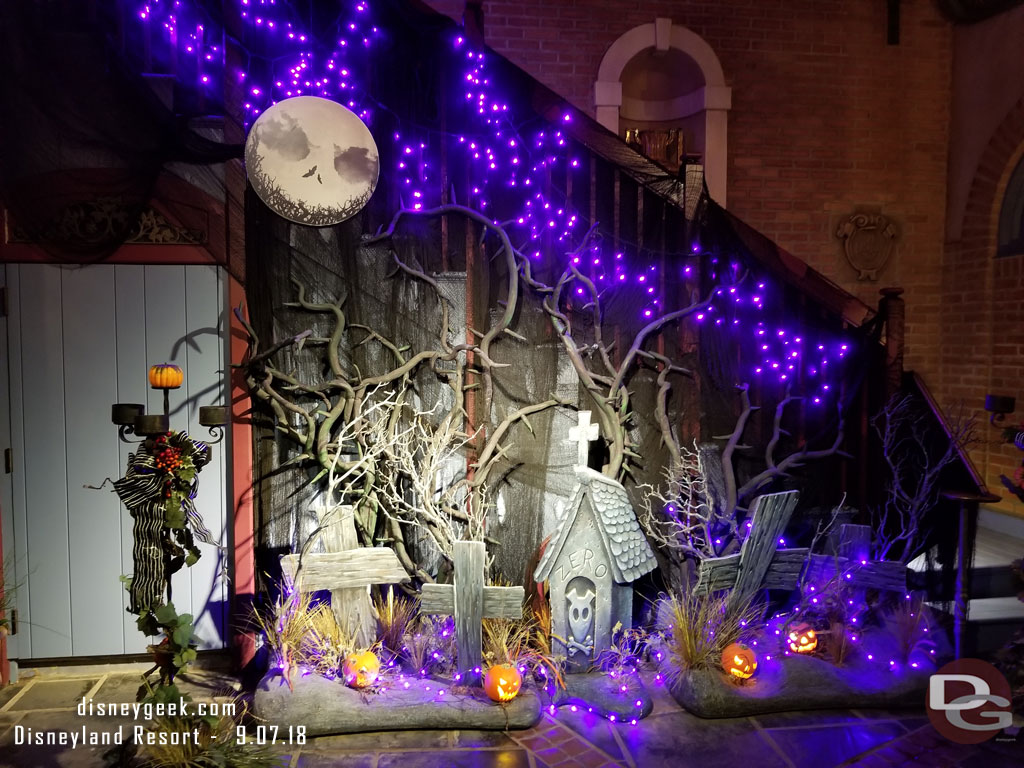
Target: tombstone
column 347, row 570
column 595, row 554
column 854, row 563
column 760, row 563
column 469, row 601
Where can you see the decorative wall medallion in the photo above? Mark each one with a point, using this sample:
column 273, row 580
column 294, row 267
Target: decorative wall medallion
column 312, row 161
column 868, row 241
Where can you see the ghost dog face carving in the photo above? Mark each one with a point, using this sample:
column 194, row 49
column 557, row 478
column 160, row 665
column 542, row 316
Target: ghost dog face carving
column 580, row 596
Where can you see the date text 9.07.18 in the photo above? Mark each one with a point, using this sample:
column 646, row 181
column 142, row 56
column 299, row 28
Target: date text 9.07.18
column 271, row 734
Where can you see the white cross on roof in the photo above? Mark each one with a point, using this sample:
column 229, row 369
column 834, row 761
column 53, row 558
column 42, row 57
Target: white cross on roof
column 582, row 435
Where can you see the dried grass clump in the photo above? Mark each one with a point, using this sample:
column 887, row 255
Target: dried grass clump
column 521, row 643
column 301, row 633
column 429, row 644
column 541, row 610
column 626, row 653
column 837, row 642
column 395, row 616
column 326, row 644
column 910, row 622
column 699, row 627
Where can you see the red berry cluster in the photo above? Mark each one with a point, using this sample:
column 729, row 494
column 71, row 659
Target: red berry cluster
column 166, row 458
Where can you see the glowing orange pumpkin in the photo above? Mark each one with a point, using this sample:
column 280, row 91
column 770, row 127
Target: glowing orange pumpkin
column 165, row 376
column 502, row 682
column 802, row 638
column 739, row 660
column 361, row 669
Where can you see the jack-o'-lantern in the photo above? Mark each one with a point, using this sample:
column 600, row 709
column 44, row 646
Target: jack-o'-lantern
column 165, row 376
column 739, row 660
column 502, row 682
column 360, row 669
column 802, row 638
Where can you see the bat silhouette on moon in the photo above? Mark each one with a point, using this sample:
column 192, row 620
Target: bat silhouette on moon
column 304, row 137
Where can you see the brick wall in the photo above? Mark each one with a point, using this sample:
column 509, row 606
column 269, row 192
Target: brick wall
column 825, row 117
column 983, row 322
column 983, row 325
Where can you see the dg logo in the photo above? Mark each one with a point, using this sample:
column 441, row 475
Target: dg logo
column 969, row 701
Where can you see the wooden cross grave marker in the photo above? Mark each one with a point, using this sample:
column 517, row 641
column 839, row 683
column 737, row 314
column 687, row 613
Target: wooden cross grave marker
column 470, row 602
column 347, row 570
column 583, row 434
column 854, row 563
column 760, row 564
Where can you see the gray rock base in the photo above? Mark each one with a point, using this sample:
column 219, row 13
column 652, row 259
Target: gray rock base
column 329, row 706
column 598, row 692
column 795, row 683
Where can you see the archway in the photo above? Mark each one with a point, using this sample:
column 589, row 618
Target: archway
column 660, row 75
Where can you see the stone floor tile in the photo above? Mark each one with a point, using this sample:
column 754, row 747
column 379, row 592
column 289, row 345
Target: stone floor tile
column 536, row 730
column 830, row 745
column 891, row 755
column 910, row 749
column 559, row 734
column 658, row 690
column 890, row 714
column 869, row 761
column 497, row 758
column 593, row 728
column 913, row 723
column 939, row 761
column 576, row 747
column 46, row 757
column 381, row 741
column 482, row 739
column 669, row 739
column 51, row 694
column 6, row 734
column 118, row 689
column 584, row 762
column 553, row 756
column 807, row 719
column 1004, row 745
column 594, row 759
column 982, row 759
column 9, row 692
column 533, row 743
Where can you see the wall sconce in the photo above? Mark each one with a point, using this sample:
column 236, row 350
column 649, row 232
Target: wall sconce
column 132, row 419
column 998, row 407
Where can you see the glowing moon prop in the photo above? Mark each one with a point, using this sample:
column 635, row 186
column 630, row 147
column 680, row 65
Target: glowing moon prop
column 312, row 161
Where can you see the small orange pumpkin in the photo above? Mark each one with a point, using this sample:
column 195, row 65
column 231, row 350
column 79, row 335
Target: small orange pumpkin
column 361, row 669
column 165, row 376
column 739, row 660
column 502, row 682
column 802, row 638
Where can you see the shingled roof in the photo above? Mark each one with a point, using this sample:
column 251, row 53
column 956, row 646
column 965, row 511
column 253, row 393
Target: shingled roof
column 630, row 554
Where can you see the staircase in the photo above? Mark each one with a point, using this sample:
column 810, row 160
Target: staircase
column 994, row 611
column 984, row 598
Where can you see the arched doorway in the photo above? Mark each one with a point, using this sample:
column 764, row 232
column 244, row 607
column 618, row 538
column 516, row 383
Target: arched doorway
column 665, row 82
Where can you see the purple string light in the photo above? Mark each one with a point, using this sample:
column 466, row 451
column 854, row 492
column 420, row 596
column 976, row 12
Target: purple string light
column 504, row 161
